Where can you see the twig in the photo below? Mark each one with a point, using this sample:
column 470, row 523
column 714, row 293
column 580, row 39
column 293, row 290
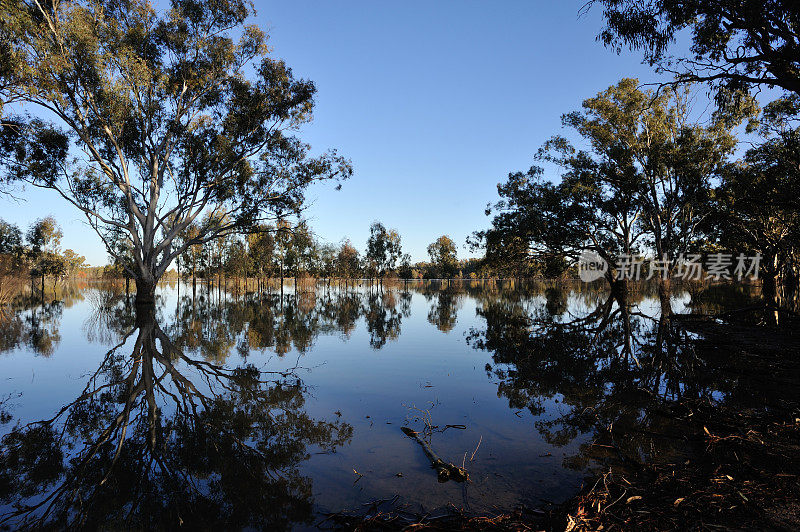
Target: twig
column 471, row 458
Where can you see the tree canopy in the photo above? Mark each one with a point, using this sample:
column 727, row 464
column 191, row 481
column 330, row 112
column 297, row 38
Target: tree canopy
column 735, row 44
column 149, row 120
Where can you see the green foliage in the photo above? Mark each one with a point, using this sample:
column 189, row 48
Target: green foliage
column 758, row 210
column 443, row 254
column 11, row 240
column 735, row 44
column 348, row 262
column 180, row 113
column 642, row 181
column 383, row 249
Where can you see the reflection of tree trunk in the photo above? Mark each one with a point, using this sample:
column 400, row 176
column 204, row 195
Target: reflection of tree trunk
column 664, row 295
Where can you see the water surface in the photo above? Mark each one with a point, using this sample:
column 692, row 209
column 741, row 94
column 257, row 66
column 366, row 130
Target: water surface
column 271, row 409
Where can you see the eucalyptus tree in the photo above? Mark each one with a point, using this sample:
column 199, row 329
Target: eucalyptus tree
column 758, row 211
column 191, row 257
column 302, row 249
column 383, row 248
column 73, row 261
column 261, row 248
column 444, row 256
column 641, row 182
column 149, row 119
column 283, row 244
column 237, row 261
column 735, row 44
column 348, row 261
column 44, row 242
column 405, row 271
column 591, row 207
column 671, row 159
column 11, row 242
column 326, row 260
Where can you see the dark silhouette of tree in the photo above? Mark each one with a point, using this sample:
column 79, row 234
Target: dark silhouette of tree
column 758, row 212
column 642, row 183
column 735, row 45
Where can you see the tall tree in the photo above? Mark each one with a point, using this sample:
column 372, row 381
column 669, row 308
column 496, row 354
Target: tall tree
column 11, row 241
column 444, row 256
column 177, row 113
column 592, row 207
column 383, row 248
column 301, row 250
column 642, row 183
column 652, row 138
column 261, row 246
column 73, row 261
column 191, row 257
column 44, row 241
column 758, row 212
column 347, row 260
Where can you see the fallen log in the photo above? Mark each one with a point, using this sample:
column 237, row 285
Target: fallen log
column 444, row 470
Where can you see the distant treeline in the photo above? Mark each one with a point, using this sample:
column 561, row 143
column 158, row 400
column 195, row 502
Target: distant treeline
column 35, row 254
column 292, row 251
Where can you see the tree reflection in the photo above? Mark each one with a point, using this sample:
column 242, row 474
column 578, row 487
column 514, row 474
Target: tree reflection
column 444, row 311
column 611, row 367
column 35, row 327
column 160, row 438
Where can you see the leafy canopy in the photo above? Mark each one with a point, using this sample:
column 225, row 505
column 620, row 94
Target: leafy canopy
column 149, row 120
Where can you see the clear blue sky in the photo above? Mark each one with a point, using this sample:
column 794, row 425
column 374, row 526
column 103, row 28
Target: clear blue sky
column 434, row 102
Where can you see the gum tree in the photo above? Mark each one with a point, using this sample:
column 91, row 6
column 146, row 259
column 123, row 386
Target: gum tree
column 735, row 44
column 444, row 256
column 148, row 121
column 383, row 248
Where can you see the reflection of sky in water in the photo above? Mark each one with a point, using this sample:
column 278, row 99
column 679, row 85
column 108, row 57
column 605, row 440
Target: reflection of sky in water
column 400, row 354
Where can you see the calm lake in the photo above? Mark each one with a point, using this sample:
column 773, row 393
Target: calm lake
column 271, row 411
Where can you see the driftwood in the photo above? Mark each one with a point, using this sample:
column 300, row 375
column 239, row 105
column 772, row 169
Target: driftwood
column 445, row 470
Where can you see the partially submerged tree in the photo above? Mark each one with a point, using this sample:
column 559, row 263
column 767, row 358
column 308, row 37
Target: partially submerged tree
column 44, row 241
column 172, row 116
column 444, row 256
column 641, row 184
column 670, row 159
column 383, row 248
column 758, row 212
column 347, row 261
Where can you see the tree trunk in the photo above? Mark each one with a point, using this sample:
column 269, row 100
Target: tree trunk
column 619, row 289
column 145, row 293
column 769, row 287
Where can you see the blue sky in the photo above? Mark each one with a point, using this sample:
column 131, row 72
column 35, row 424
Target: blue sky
column 434, row 102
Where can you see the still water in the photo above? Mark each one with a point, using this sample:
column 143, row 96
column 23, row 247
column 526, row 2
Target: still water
column 270, row 410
